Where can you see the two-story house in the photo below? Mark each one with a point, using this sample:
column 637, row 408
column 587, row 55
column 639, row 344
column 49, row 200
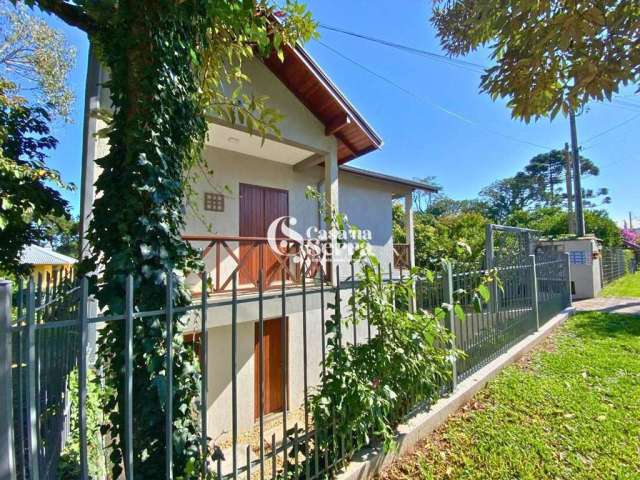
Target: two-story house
column 254, row 183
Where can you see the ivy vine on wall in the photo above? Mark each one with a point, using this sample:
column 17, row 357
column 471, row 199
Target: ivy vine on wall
column 167, row 61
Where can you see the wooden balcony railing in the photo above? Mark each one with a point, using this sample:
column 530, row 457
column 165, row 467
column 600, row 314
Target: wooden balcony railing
column 246, row 257
column 401, row 255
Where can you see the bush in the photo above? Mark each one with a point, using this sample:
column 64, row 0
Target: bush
column 69, row 465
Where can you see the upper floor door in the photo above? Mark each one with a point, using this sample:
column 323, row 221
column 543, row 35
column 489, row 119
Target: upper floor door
column 259, row 207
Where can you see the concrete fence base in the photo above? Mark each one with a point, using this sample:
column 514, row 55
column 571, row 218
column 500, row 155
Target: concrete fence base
column 369, row 462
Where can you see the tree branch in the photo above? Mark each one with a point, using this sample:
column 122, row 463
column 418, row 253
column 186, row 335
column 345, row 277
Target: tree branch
column 69, row 13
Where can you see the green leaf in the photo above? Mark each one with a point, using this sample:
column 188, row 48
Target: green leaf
column 483, row 291
column 459, row 311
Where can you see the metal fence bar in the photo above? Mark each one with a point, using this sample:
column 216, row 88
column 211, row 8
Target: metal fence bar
column 234, row 371
column 82, row 378
column 482, row 335
column 168, row 426
column 128, row 380
column 204, row 385
column 261, row 368
column 567, row 259
column 7, row 451
column 284, row 365
column 32, row 394
column 305, row 357
column 534, row 292
column 451, row 320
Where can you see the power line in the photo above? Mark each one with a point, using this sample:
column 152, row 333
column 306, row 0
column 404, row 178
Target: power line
column 626, row 103
column 431, row 102
column 475, row 67
column 621, row 124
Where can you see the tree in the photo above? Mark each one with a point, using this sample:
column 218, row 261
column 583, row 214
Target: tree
column 552, row 222
column 507, row 195
column 443, row 205
column 458, row 236
column 540, row 184
column 168, row 61
column 27, row 199
column 422, row 200
column 551, row 56
column 547, row 174
column 64, row 234
column 37, row 58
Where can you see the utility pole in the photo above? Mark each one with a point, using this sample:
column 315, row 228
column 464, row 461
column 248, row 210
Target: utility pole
column 577, row 184
column 568, row 180
column 630, row 221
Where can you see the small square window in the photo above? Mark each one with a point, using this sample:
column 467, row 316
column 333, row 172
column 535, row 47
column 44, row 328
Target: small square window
column 578, row 257
column 214, row 202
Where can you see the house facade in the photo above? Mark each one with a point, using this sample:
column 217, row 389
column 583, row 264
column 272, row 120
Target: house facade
column 246, row 186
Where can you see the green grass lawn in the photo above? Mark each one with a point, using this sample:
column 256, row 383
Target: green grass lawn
column 627, row 286
column 571, row 410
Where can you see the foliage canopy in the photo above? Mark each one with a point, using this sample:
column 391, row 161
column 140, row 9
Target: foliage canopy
column 550, row 56
column 36, row 58
column 29, row 203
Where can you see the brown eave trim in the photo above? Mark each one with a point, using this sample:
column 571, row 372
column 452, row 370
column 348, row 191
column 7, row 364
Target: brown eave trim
column 415, row 185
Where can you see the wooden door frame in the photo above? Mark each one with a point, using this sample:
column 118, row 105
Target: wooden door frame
column 256, row 367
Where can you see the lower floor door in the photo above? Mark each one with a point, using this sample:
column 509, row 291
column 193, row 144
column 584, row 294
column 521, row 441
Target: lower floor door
column 274, row 337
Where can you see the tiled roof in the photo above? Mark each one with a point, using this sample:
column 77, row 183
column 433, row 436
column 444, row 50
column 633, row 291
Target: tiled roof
column 35, row 255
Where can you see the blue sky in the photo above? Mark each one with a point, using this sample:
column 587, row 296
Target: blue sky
column 466, row 149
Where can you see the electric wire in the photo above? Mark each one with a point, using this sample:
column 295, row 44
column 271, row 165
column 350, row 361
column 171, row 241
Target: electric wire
column 476, row 67
column 615, row 102
column 431, row 102
column 604, row 132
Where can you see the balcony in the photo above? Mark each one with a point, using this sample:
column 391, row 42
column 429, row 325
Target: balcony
column 249, row 257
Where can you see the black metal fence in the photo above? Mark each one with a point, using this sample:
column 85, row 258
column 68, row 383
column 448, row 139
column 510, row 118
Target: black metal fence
column 528, row 295
column 48, row 329
column 617, row 262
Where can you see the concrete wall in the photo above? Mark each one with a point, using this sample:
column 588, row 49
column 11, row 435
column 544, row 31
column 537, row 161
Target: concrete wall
column 299, row 125
column 368, row 205
column 586, row 277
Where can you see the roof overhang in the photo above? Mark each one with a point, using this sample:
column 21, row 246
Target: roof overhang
column 406, row 184
column 313, row 87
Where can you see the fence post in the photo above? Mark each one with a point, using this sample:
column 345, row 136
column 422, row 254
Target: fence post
column 534, row 285
column 451, row 320
column 569, row 292
column 82, row 378
column 7, row 458
column 490, row 262
column 32, row 386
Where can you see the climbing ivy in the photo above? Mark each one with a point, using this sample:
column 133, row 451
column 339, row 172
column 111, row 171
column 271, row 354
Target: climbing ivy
column 168, row 61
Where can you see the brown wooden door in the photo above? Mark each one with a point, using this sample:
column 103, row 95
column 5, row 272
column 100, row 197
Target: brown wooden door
column 273, row 355
column 259, row 206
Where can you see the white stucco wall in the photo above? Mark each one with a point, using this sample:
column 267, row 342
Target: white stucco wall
column 368, row 205
column 586, row 277
column 299, row 124
column 219, row 393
